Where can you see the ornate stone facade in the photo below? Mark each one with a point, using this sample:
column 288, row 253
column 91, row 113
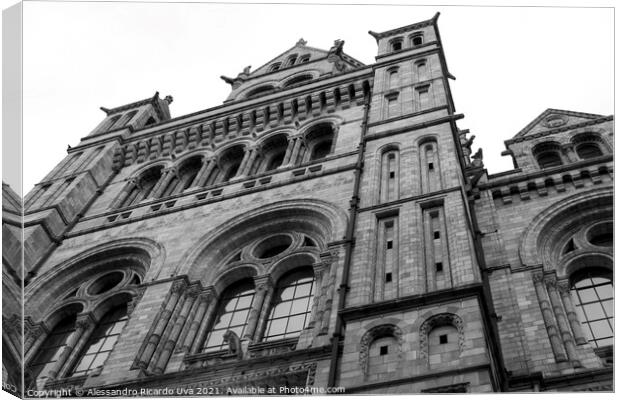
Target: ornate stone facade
column 328, row 225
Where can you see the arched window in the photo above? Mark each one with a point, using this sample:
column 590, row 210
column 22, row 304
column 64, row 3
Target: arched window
column 417, row 39
column 589, row 145
column 275, row 66
column 593, row 298
column 588, row 150
column 397, row 44
column 291, row 60
column 320, row 140
column 101, row 341
column 51, row 349
column 232, row 314
column 274, row 150
column 260, row 91
column 143, row 188
column 188, row 173
column 291, row 306
column 298, row 79
column 547, row 155
column 231, row 161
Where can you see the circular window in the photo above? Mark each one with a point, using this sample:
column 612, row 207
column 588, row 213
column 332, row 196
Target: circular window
column 272, row 246
column 602, row 234
column 105, row 283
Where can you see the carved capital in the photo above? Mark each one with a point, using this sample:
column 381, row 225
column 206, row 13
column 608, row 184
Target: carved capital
column 178, row 286
column 263, row 283
column 193, row 292
column 172, row 171
column 563, row 286
column 550, row 281
column 330, row 256
column 319, row 268
column 207, row 295
column 84, row 321
column 537, row 277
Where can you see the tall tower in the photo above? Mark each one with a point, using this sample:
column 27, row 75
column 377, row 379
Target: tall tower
column 415, row 314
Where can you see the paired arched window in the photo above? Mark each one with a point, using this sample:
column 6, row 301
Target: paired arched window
column 88, row 320
column 274, row 306
column 289, row 311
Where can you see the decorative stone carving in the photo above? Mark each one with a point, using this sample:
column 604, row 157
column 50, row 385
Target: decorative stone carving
column 440, row 320
column 135, row 300
column 378, row 332
column 178, row 286
column 234, row 344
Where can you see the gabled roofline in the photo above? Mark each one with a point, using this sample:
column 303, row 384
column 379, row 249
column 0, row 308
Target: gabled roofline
column 550, row 111
column 402, row 29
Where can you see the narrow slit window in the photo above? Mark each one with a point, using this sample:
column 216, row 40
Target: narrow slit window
column 383, row 350
column 436, row 235
column 431, row 166
column 443, row 339
column 439, row 267
column 388, row 277
column 389, row 244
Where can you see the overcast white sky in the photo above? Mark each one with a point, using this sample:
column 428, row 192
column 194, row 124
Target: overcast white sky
column 510, row 63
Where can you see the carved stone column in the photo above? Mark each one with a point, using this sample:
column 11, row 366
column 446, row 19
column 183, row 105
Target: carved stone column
column 569, row 152
column 176, row 330
column 263, row 286
column 564, row 289
column 206, row 321
column 247, row 168
column 205, row 299
column 289, row 150
column 153, row 340
column 263, row 313
column 558, row 310
column 35, row 335
column 295, row 152
column 552, row 329
column 315, row 315
column 207, row 166
column 90, row 325
column 83, row 324
column 246, row 157
column 131, row 184
column 163, row 183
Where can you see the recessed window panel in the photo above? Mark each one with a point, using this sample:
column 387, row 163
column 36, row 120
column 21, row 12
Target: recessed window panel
column 233, row 310
column 293, row 293
column 593, row 300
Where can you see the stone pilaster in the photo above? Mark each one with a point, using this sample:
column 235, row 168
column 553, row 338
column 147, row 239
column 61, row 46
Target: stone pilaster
column 550, row 325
